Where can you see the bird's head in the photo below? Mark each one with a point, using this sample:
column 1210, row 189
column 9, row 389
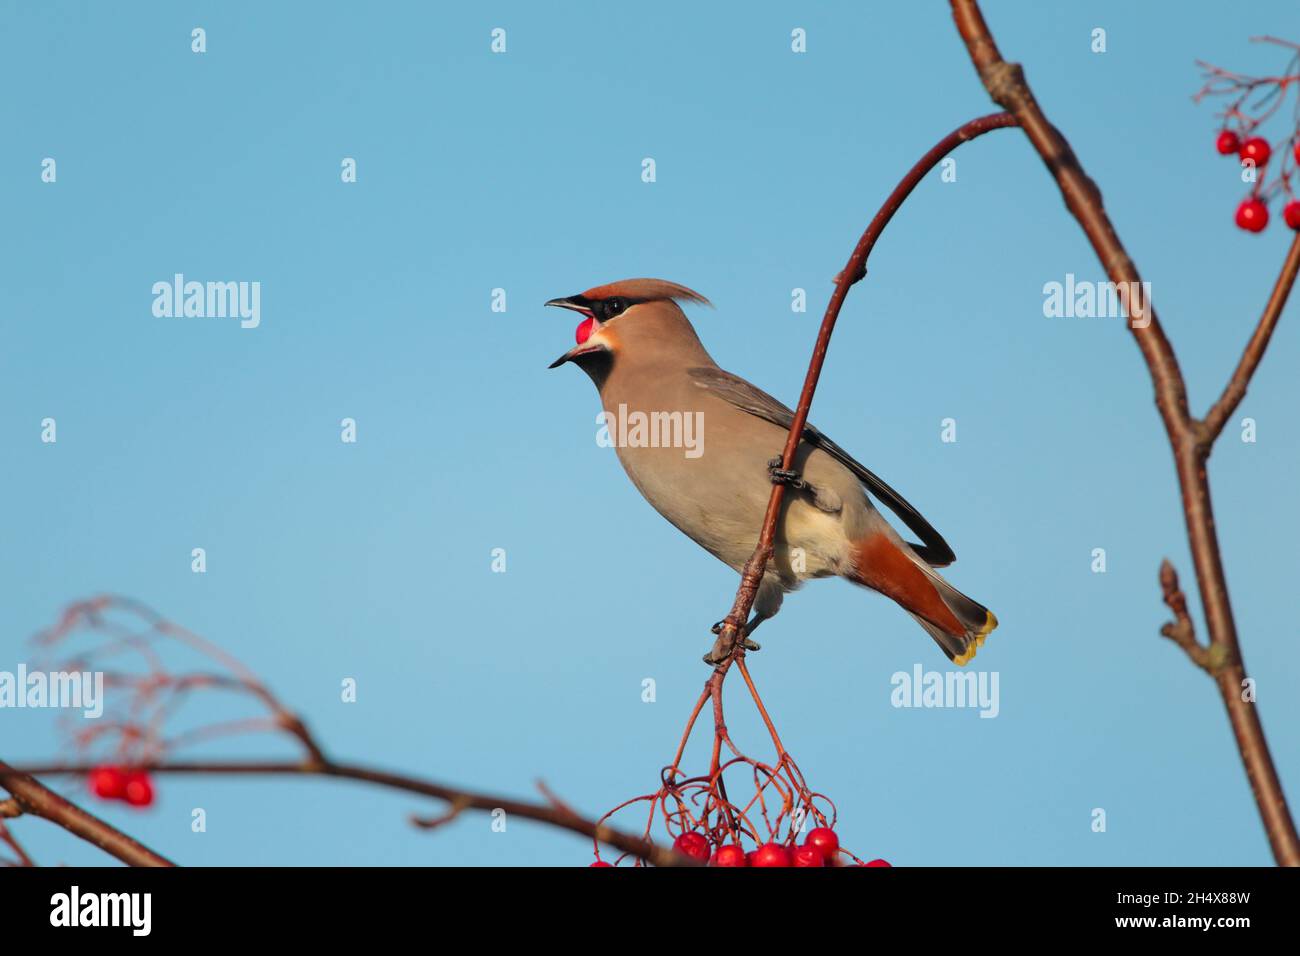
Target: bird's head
column 631, row 317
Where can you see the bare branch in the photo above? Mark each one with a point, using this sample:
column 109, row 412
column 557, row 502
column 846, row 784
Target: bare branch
column 1235, row 390
column 1189, row 438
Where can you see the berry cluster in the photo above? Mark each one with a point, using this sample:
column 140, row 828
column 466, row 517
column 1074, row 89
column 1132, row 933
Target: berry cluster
column 120, row 783
column 1252, row 214
column 820, row 848
column 1250, row 103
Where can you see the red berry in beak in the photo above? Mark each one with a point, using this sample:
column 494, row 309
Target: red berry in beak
column 108, row 783
column 1291, row 214
column 139, row 789
column 1256, row 148
column 1252, row 215
column 1227, row 143
column 584, row 329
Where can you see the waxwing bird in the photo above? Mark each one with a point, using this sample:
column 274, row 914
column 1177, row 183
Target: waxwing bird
column 698, row 443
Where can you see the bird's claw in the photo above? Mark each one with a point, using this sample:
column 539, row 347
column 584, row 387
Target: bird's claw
column 784, row 476
column 721, row 653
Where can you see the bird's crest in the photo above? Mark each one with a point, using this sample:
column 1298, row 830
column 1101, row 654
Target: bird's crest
column 646, row 290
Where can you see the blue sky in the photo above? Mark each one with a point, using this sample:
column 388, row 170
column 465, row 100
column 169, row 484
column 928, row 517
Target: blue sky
column 522, row 171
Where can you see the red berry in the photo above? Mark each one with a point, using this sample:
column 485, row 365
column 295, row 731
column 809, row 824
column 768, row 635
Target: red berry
column 1297, row 150
column 771, row 854
column 874, row 863
column 108, row 783
column 808, row 856
column 1256, row 148
column 600, row 863
column 139, row 789
column 583, row 331
column 694, row 845
column 825, row 840
column 730, row 855
column 1291, row 214
column 1227, row 143
column 1252, row 215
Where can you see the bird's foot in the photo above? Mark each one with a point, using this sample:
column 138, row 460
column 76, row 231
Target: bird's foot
column 722, row 650
column 783, row 476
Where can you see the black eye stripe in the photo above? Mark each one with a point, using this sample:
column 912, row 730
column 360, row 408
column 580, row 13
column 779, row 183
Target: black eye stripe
column 606, row 309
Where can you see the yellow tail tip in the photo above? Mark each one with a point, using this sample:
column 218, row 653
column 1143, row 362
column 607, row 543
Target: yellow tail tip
column 990, row 623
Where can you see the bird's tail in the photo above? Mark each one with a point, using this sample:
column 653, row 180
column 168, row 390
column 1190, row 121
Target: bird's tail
column 957, row 624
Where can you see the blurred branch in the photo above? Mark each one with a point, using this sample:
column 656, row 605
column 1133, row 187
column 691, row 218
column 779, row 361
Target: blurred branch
column 31, row 796
column 556, row 815
column 1191, row 439
column 8, row 839
column 155, row 692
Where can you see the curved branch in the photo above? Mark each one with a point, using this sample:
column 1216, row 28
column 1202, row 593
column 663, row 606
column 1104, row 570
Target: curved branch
column 854, row 271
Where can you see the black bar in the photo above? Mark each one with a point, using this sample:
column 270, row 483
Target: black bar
column 329, row 905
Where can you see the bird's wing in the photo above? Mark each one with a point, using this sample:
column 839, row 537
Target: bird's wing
column 932, row 549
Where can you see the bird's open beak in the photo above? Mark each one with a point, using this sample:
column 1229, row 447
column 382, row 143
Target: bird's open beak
column 582, row 305
column 578, row 303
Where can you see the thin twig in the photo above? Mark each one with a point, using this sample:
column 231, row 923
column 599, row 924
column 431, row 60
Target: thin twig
column 1181, row 630
column 21, row 857
column 1235, row 390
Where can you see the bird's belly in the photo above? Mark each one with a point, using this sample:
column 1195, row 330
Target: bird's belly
column 723, row 513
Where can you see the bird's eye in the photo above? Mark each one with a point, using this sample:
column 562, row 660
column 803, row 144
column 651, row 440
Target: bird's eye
column 614, row 306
